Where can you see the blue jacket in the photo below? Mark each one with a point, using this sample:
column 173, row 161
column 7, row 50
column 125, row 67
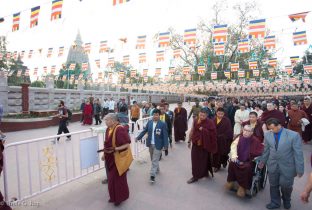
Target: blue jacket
column 161, row 141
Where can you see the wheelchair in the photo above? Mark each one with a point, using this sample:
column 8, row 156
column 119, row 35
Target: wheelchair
column 259, row 179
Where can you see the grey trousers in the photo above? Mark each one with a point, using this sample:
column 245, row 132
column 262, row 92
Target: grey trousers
column 280, row 188
column 155, row 156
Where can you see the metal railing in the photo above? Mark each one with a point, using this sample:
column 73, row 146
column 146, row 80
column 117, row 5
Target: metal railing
column 32, row 167
column 35, row 166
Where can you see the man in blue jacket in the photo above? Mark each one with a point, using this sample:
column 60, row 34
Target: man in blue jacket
column 157, row 140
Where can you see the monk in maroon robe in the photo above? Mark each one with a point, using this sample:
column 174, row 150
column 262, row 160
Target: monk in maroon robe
column 203, row 138
column 295, row 115
column 256, row 125
column 117, row 184
column 180, row 123
column 243, row 150
column 224, row 139
column 87, row 113
column 3, row 205
column 273, row 113
column 307, row 108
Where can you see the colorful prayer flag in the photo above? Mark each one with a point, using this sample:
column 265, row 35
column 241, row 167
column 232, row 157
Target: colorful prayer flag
column 257, row 28
column 243, row 45
column 87, row 48
column 61, row 51
column 171, row 70
column 45, row 70
column 298, row 16
column 234, row 67
column 126, row 60
column 111, row 62
column 177, row 77
column 19, row 73
column 164, row 39
column 271, row 71
column 190, row 36
column 241, row 73
column 300, row 38
column 15, row 55
column 8, row 55
column 100, row 75
column 256, row 72
column 186, row 70
column 158, row 72
column 103, row 46
column 188, row 77
column 98, row 63
column 27, row 72
column 16, row 21
column 34, row 16
column 133, row 73
column 269, row 42
column 220, row 33
column 160, row 56
column 273, row 62
column 214, row 75
column 53, row 68
column 219, row 48
column 253, row 64
column 85, row 66
column 227, row 74
column 142, row 57
column 35, row 71
column 201, row 69
column 176, row 53
column 308, row 68
column 294, row 60
column 289, row 69
column 278, row 81
column 50, row 51
column 72, row 66
column 141, row 42
column 145, row 79
column 115, row 2
column 56, row 9
column 306, row 80
column 145, row 72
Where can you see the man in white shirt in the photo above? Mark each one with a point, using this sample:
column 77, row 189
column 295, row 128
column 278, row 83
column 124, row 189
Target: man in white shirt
column 111, row 106
column 105, row 107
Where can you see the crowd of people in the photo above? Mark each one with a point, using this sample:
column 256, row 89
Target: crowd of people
column 228, row 134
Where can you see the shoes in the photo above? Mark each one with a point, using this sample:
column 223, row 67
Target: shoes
column 152, row 179
column 192, row 180
column 224, row 165
column 287, row 205
column 54, row 141
column 117, row 204
column 229, row 185
column 68, row 139
column 272, row 206
column 216, row 170
column 104, row 181
column 241, row 192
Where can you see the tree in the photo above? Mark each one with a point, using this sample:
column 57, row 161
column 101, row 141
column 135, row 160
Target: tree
column 203, row 52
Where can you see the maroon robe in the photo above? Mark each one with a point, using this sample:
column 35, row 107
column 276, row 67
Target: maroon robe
column 3, row 205
column 307, row 134
column 117, row 185
column 258, row 131
column 294, row 120
column 180, row 124
column 274, row 114
column 224, row 140
column 204, row 144
column 87, row 114
column 243, row 174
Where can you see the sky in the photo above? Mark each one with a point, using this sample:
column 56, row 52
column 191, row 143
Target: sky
column 99, row 20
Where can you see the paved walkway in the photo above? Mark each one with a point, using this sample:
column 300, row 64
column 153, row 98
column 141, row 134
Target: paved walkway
column 169, row 192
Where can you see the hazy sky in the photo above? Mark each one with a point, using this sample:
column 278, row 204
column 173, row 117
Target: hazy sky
column 98, row 20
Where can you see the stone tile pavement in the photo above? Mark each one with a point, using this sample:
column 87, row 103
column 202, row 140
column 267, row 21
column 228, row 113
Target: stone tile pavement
column 169, row 192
